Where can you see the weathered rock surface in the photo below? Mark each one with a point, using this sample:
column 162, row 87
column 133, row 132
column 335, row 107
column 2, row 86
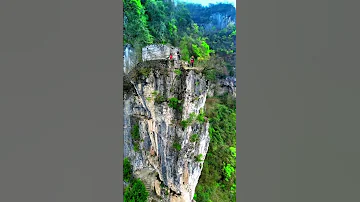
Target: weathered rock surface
column 130, row 58
column 223, row 86
column 146, row 105
column 220, row 21
column 158, row 52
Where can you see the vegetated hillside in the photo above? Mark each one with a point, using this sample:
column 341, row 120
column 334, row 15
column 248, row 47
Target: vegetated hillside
column 209, row 34
column 218, row 24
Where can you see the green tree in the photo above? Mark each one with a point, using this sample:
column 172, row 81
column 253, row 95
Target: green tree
column 155, row 10
column 217, row 180
column 136, row 30
column 127, row 170
column 136, row 192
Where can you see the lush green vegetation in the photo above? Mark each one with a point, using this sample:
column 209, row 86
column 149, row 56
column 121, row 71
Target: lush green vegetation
column 185, row 26
column 175, row 103
column 157, row 21
column 185, row 123
column 135, row 135
column 136, row 190
column 159, row 99
column 221, row 39
column 219, row 172
column 177, row 146
column 177, row 72
column 127, row 170
column 144, row 71
column 194, row 138
column 136, row 31
column 199, row 158
column 201, row 116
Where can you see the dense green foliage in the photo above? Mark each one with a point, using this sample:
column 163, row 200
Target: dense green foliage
column 201, row 116
column 177, row 146
column 185, row 123
column 175, row 103
column 136, row 30
column 178, row 72
column 219, row 172
column 221, row 39
column 194, row 138
column 136, row 190
column 127, row 170
column 184, row 26
column 135, row 135
column 159, row 99
column 199, row 158
column 161, row 22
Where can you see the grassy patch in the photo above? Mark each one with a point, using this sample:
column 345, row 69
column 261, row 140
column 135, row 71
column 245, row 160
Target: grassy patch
column 218, row 176
column 135, row 135
column 136, row 191
column 144, row 71
column 192, row 116
column 185, row 123
column 194, row 138
column 199, row 158
column 175, row 103
column 159, row 99
column 177, row 72
column 136, row 146
column 155, row 93
column 127, row 170
column 177, row 146
column 201, row 116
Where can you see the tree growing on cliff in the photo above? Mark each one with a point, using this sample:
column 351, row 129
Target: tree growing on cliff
column 136, row 192
column 127, row 170
column 136, row 30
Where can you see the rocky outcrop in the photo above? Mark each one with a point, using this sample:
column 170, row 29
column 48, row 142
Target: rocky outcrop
column 219, row 21
column 223, row 86
column 130, row 58
column 164, row 101
column 157, row 52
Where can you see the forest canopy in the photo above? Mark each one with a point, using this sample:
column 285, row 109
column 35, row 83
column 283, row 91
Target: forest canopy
column 182, row 25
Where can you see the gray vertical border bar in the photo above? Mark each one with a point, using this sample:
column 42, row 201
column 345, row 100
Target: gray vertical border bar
column 121, row 102
column 298, row 101
column 61, row 101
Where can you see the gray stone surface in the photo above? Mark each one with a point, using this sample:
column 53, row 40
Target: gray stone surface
column 157, row 52
column 176, row 169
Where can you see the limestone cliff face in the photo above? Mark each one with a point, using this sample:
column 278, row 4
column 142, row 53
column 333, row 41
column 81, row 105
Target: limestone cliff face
column 130, row 58
column 167, row 157
column 220, row 21
column 223, row 86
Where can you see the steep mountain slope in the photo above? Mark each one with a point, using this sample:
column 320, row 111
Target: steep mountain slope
column 165, row 134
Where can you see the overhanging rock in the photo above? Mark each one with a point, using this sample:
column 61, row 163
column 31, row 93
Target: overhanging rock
column 158, row 52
